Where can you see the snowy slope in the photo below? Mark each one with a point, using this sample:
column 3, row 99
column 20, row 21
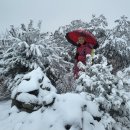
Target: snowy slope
column 69, row 111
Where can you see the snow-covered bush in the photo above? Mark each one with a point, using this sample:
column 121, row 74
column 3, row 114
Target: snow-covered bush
column 117, row 52
column 31, row 89
column 4, row 92
column 116, row 46
column 108, row 90
column 28, row 48
column 25, row 51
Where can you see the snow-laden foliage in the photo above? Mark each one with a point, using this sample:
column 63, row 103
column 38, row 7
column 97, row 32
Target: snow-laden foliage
column 25, row 51
column 109, row 91
column 117, row 53
column 103, row 85
column 28, row 48
column 116, row 46
column 4, row 92
column 62, row 66
column 122, row 29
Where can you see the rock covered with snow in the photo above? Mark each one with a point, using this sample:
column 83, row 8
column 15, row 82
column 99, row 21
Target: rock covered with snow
column 29, row 93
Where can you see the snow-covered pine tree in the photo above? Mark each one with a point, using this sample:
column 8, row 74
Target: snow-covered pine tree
column 116, row 46
column 97, row 26
column 28, row 48
column 122, row 29
column 62, row 65
column 108, row 91
column 24, row 50
column 4, row 93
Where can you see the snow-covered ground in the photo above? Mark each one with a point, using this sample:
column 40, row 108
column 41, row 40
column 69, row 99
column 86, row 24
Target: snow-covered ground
column 68, row 111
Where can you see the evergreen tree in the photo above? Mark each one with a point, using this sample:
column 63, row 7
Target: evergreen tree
column 116, row 46
column 109, row 91
column 4, row 92
column 122, row 29
column 28, row 49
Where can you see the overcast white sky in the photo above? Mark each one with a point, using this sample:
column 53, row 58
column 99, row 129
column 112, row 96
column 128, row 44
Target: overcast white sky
column 55, row 13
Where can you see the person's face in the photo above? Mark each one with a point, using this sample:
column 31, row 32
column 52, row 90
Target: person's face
column 81, row 40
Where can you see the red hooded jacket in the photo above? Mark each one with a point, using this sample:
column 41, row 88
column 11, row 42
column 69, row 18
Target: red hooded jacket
column 82, row 51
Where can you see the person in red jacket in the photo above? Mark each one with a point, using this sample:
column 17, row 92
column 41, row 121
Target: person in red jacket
column 85, row 42
column 83, row 49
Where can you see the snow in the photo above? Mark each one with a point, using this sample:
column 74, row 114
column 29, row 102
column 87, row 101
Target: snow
column 26, row 86
column 57, row 111
column 49, row 98
column 36, row 50
column 66, row 110
column 27, row 98
column 4, row 109
column 93, row 109
column 32, row 81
